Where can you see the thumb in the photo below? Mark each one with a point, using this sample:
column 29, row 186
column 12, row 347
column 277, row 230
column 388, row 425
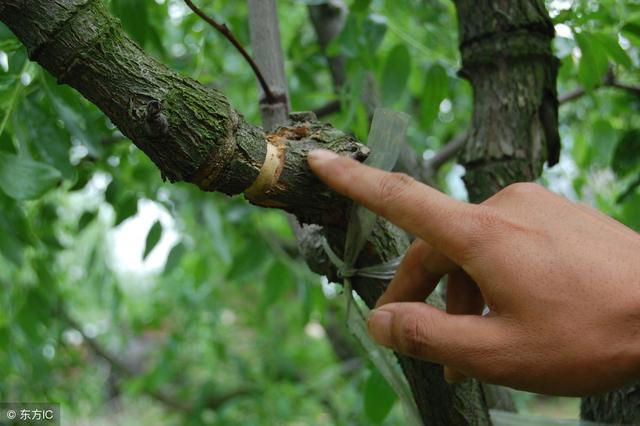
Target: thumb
column 472, row 344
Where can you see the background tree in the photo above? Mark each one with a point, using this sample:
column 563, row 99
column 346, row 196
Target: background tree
column 67, row 182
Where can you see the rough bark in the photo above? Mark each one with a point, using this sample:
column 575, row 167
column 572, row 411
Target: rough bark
column 620, row 407
column 507, row 57
column 192, row 134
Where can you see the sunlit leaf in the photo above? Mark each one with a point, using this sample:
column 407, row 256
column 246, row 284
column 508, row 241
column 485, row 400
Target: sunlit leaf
column 593, row 62
column 610, row 44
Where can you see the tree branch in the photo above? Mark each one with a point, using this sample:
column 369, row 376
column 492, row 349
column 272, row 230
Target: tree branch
column 329, row 108
column 224, row 30
column 189, row 131
column 612, row 83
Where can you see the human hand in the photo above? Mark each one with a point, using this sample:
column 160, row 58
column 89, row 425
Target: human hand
column 561, row 280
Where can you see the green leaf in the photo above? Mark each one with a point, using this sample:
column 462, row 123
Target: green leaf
column 374, row 30
column 49, row 141
column 630, row 215
column 435, row 91
column 626, row 157
column 593, row 63
column 360, row 5
column 11, row 249
column 154, row 235
column 86, row 219
column 631, row 30
column 25, row 179
column 379, row 397
column 174, row 258
column 395, row 73
column 134, row 15
column 279, row 280
column 248, row 261
column 610, row 44
column 125, row 207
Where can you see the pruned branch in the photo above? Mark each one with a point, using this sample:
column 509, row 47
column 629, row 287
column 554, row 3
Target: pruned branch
column 225, row 31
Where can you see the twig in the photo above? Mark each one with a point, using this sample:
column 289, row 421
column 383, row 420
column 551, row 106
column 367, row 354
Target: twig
column 580, row 91
column 224, row 30
column 447, row 152
column 327, row 109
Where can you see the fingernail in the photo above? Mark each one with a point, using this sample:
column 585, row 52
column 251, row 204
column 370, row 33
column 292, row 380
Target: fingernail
column 379, row 324
column 321, row 156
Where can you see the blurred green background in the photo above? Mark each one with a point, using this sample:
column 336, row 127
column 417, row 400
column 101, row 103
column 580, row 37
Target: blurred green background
column 133, row 301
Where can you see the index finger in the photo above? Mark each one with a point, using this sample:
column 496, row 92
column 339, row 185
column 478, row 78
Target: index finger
column 441, row 221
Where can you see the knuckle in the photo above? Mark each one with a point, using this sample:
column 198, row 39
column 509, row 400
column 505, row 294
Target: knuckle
column 487, row 218
column 487, row 222
column 392, row 185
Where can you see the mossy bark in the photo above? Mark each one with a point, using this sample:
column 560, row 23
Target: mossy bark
column 192, row 134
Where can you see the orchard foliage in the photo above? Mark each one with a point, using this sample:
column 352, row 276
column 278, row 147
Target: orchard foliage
column 202, row 301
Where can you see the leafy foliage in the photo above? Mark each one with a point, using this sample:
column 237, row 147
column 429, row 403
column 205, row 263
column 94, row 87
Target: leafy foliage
column 212, row 307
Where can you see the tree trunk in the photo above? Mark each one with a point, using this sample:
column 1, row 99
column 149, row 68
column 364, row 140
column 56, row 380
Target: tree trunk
column 620, row 407
column 507, row 58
